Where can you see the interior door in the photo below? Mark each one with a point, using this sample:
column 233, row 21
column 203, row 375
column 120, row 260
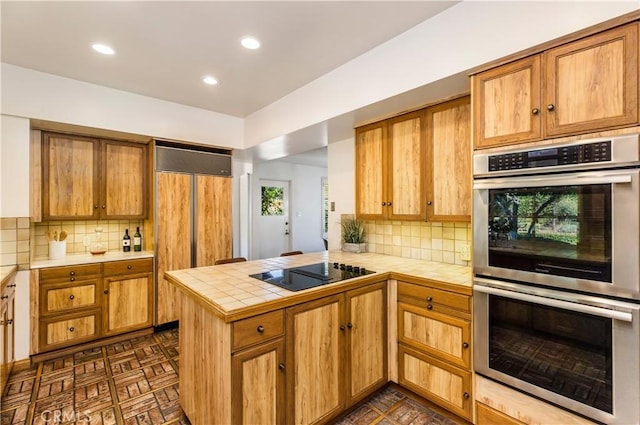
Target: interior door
column 272, row 212
column 173, row 238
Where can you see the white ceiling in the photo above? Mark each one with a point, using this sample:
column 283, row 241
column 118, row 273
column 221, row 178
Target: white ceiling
column 164, row 48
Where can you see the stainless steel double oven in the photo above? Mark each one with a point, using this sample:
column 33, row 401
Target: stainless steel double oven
column 557, row 274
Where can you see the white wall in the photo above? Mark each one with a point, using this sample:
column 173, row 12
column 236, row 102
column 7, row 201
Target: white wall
column 462, row 37
column 305, row 202
column 33, row 94
column 342, row 185
column 14, row 167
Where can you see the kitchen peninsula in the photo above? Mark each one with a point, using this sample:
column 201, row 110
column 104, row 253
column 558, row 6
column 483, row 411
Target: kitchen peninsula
column 252, row 352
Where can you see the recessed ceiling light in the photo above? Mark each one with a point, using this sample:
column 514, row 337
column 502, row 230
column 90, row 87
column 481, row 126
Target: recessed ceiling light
column 103, row 48
column 250, row 43
column 210, row 80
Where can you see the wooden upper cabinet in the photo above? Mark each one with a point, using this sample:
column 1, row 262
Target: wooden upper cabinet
column 507, row 103
column 592, row 83
column 87, row 178
column 449, row 161
column 579, row 87
column 390, row 161
column 370, row 178
column 69, row 177
column 124, row 167
column 406, row 163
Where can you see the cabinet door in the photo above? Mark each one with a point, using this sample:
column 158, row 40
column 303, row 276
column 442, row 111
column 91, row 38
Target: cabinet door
column 507, row 104
column 173, row 239
column 4, row 354
column 124, row 188
column 69, row 177
column 258, row 379
column 371, row 182
column 366, row 341
column 128, row 302
column 315, row 346
column 439, row 334
column 438, row 381
column 449, row 161
column 213, row 219
column 593, row 82
column 406, row 151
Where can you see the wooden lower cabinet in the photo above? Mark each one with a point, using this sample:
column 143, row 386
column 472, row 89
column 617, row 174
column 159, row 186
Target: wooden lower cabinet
column 86, row 302
column 258, row 384
column 7, row 331
column 486, row 415
column 446, row 385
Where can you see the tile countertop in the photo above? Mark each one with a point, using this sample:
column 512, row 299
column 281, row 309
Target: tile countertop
column 231, row 294
column 6, row 273
column 75, row 259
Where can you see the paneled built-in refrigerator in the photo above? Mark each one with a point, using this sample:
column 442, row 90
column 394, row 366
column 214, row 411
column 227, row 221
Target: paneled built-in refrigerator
column 193, row 223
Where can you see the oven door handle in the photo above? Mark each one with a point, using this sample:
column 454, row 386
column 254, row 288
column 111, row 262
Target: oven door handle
column 581, row 179
column 551, row 302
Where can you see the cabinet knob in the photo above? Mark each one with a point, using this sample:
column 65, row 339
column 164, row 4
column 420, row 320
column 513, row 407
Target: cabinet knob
column 95, row 207
column 465, row 345
column 71, row 296
column 10, row 322
column 389, row 204
column 72, row 279
column 429, row 307
column 1, row 322
column 342, row 328
column 384, row 204
column 466, row 396
column 104, row 207
column 13, row 285
column 72, row 273
column 281, row 366
column 535, row 111
column 106, row 291
column 71, row 329
column 260, row 329
column 429, row 298
column 4, row 297
column 429, row 203
column 129, row 267
column 349, row 325
column 550, row 107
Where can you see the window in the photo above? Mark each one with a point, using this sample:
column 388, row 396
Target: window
column 272, row 201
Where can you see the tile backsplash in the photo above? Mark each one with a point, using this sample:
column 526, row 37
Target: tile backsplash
column 433, row 241
column 80, row 231
column 14, row 242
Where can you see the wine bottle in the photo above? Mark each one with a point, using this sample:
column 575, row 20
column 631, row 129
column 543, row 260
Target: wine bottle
column 137, row 240
column 126, row 241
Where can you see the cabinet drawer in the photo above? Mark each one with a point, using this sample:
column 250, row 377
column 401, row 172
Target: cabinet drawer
column 144, row 265
column 441, row 335
column 70, row 273
column 446, row 385
column 257, row 329
column 486, row 415
column 434, row 297
column 60, row 297
column 66, row 330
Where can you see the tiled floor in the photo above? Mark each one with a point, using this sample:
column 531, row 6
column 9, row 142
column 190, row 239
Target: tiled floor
column 136, row 382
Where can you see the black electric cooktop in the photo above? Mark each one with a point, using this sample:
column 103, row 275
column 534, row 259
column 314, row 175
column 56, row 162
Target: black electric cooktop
column 310, row 276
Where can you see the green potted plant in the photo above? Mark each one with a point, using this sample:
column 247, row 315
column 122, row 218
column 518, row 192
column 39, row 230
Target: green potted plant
column 353, row 235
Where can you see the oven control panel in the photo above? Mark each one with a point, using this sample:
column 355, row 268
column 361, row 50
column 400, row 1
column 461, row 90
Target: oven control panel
column 549, row 157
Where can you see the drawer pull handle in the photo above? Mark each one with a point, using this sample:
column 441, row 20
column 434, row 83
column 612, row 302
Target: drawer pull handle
column 466, row 396
column 4, row 297
column 551, row 107
column 71, row 296
column 72, row 279
column 13, row 285
column 71, row 329
column 281, row 366
column 349, row 325
column 129, row 267
column 429, row 299
column 429, row 307
column 465, row 345
column 72, row 273
column 260, row 329
column 535, row 111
